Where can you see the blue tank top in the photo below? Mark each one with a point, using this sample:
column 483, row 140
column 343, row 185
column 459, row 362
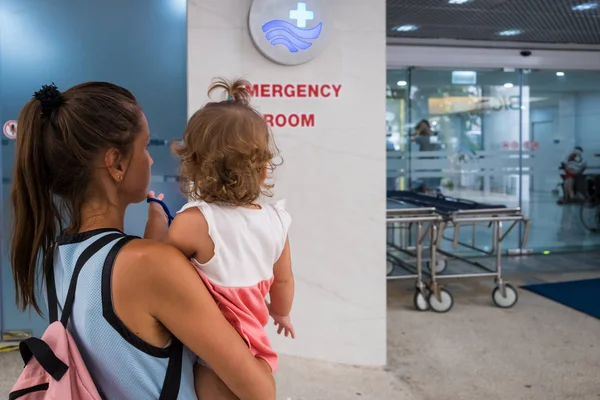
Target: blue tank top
column 123, row 366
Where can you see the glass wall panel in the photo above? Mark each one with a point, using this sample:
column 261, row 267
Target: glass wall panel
column 464, row 140
column 519, row 138
column 397, row 128
column 562, row 159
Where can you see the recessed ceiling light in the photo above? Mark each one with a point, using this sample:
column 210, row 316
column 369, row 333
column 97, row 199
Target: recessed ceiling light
column 585, row 7
column 511, row 32
column 560, row 74
column 402, row 83
column 405, row 28
column 458, row 1
column 508, row 85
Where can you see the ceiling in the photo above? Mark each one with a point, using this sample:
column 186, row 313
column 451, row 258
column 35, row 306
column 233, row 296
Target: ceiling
column 531, row 21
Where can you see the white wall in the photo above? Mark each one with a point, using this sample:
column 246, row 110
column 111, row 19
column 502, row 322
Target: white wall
column 334, row 173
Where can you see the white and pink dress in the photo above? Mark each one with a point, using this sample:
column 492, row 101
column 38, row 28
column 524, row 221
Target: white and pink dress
column 247, row 242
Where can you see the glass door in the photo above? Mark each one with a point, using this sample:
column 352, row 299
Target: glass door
column 518, row 137
column 465, row 139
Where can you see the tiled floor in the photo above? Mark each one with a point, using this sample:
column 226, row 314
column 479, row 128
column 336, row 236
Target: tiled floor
column 538, row 350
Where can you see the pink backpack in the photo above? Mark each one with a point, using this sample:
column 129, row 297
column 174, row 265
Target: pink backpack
column 54, row 368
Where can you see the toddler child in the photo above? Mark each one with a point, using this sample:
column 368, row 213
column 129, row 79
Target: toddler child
column 237, row 241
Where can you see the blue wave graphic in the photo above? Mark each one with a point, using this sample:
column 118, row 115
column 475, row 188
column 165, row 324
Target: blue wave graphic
column 280, row 32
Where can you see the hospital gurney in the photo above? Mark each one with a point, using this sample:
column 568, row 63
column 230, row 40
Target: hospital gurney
column 405, row 222
column 455, row 214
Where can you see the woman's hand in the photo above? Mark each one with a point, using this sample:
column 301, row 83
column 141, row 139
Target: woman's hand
column 158, row 221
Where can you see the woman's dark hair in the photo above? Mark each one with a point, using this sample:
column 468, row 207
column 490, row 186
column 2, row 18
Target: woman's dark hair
column 59, row 138
column 226, row 148
column 422, row 122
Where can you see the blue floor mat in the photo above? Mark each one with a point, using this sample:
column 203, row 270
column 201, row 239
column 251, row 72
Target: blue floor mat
column 583, row 295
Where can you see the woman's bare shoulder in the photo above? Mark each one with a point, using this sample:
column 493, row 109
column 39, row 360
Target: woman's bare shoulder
column 150, row 255
column 146, row 250
column 146, row 268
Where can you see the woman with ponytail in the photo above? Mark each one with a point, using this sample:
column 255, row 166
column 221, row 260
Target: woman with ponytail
column 81, row 160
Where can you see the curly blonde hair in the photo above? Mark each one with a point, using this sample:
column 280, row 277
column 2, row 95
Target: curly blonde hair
column 227, row 149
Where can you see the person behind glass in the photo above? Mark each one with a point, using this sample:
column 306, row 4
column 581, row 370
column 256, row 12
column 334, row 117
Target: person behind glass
column 423, row 137
column 573, row 168
column 81, row 159
column 236, row 239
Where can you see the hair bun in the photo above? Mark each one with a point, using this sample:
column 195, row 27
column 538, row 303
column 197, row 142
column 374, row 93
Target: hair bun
column 237, row 91
column 50, row 97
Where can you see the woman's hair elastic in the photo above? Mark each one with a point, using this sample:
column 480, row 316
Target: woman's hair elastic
column 50, row 98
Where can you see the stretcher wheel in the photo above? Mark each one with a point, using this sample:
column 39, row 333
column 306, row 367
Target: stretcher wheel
column 390, row 268
column 440, row 265
column 420, row 301
column 444, row 304
column 509, row 299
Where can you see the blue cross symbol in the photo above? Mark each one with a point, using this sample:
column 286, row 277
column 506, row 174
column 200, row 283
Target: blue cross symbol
column 301, row 15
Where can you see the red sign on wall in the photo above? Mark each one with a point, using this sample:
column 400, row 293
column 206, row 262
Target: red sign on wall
column 514, row 145
column 294, row 91
column 10, row 129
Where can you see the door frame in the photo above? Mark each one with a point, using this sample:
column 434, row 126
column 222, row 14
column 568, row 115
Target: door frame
column 415, row 54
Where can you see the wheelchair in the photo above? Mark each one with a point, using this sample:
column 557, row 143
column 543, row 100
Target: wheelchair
column 590, row 208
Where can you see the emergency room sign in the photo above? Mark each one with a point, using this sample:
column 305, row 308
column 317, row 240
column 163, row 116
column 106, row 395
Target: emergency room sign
column 10, row 129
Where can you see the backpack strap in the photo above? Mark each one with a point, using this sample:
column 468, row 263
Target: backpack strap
column 81, row 261
column 51, row 289
column 172, row 382
column 34, row 347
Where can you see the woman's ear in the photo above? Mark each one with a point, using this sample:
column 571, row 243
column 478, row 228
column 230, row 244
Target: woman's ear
column 114, row 164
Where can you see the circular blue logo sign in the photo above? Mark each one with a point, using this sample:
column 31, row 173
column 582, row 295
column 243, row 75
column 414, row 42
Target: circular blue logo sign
column 290, row 32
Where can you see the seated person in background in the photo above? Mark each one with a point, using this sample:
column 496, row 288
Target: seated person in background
column 424, row 138
column 573, row 166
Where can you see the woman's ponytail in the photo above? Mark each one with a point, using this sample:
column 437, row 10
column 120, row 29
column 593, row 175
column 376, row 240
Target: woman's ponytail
column 35, row 215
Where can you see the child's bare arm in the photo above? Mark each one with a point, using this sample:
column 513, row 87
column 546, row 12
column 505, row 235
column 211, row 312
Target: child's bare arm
column 282, row 289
